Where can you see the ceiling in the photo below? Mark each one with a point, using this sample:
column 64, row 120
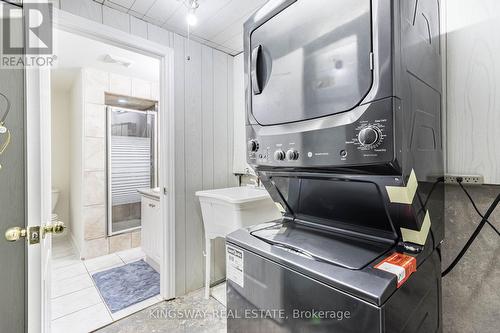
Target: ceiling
column 220, row 22
column 74, row 52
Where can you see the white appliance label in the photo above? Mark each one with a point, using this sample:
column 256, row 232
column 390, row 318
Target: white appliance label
column 394, row 269
column 234, row 265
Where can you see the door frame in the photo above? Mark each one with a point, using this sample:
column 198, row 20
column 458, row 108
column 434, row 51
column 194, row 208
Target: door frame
column 38, row 153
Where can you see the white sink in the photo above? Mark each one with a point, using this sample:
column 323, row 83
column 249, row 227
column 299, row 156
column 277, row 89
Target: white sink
column 228, row 209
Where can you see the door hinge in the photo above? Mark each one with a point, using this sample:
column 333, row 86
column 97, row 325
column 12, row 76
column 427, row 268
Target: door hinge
column 372, row 61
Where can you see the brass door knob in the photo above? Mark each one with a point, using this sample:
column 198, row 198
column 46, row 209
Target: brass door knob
column 54, row 228
column 15, row 233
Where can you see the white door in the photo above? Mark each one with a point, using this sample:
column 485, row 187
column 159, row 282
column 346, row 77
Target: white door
column 38, row 188
column 25, row 181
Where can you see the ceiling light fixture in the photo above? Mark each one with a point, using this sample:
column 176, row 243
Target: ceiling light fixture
column 191, row 19
column 192, row 6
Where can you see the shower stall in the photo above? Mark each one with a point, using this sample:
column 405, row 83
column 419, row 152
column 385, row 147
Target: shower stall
column 131, row 165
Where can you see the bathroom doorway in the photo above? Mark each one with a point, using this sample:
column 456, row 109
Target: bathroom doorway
column 109, row 134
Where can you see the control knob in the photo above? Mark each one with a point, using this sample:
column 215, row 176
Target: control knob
column 279, row 155
column 292, row 155
column 253, row 146
column 369, row 136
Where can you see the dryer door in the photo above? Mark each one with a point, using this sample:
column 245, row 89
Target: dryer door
column 310, row 60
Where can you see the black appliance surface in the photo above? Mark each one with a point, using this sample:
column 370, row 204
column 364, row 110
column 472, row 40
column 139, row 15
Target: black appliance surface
column 281, row 287
column 354, row 204
column 367, row 284
column 343, row 250
column 311, row 61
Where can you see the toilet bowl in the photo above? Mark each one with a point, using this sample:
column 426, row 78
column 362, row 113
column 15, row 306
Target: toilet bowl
column 55, row 197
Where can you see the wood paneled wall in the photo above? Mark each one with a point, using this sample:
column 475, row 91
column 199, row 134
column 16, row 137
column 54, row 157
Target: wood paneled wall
column 473, row 89
column 204, row 150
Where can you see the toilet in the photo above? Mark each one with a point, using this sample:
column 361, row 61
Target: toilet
column 55, row 199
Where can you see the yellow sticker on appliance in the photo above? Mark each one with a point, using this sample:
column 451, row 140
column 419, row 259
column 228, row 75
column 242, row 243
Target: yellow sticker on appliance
column 235, row 265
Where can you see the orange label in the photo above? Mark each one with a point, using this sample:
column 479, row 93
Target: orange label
column 399, row 264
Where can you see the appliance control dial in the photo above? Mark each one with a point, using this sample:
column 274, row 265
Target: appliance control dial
column 279, row 155
column 369, row 136
column 292, row 155
column 253, row 146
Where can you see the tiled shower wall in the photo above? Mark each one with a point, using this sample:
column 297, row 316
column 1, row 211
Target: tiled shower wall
column 95, row 84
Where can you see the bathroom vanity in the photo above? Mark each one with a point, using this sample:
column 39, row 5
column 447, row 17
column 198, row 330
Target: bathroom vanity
column 151, row 241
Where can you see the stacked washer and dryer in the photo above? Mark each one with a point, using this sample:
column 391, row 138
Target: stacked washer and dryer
column 344, row 129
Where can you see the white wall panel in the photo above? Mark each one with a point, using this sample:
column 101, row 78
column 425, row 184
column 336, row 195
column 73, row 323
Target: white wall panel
column 138, row 27
column 180, row 183
column 204, row 132
column 116, row 19
column 88, row 9
column 473, row 88
column 193, row 165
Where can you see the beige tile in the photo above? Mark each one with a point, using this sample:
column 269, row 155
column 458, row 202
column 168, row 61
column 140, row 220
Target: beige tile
column 131, row 255
column 83, row 321
column 121, row 212
column 96, row 84
column 141, row 88
column 94, row 222
column 60, row 252
column 67, row 272
column 64, row 261
column 94, row 188
column 135, row 210
column 96, row 248
column 119, row 84
column 70, row 285
column 103, row 262
column 95, row 154
column 136, row 239
column 95, row 120
column 120, row 242
column 64, row 305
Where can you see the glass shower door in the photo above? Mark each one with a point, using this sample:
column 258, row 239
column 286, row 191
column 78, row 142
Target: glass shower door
column 131, row 157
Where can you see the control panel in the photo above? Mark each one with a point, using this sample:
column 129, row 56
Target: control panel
column 368, row 140
column 370, row 136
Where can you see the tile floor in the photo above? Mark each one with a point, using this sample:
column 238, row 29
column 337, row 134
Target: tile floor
column 76, row 303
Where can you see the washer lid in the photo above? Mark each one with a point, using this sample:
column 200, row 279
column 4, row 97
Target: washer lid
column 341, row 250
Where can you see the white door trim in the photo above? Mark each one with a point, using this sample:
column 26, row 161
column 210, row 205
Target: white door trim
column 38, row 150
column 38, row 194
column 82, row 26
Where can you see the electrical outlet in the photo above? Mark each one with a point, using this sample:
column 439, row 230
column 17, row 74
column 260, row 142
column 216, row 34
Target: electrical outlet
column 466, row 179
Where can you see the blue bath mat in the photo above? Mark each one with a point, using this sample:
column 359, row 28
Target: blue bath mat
column 127, row 285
